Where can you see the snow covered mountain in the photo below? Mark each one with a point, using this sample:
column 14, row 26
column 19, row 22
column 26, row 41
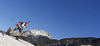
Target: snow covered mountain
column 42, row 38
column 6, row 40
column 36, row 34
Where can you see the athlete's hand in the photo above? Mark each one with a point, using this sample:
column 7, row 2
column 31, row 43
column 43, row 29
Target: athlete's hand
column 16, row 24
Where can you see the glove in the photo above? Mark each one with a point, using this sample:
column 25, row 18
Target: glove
column 16, row 24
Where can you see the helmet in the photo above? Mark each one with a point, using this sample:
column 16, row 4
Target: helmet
column 27, row 23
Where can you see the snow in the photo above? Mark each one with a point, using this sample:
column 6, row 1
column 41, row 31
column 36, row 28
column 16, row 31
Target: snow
column 6, row 40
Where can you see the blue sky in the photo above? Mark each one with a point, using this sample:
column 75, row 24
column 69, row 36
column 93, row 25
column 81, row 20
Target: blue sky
column 60, row 18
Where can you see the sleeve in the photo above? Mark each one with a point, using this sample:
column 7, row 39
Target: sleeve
column 20, row 22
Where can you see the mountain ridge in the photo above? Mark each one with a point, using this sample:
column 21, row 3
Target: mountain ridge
column 45, row 41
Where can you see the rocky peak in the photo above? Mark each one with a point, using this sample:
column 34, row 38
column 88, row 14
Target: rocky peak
column 37, row 33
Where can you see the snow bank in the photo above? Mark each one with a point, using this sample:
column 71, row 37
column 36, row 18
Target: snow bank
column 6, row 40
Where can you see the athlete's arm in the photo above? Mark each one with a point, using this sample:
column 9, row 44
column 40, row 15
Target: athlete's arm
column 18, row 23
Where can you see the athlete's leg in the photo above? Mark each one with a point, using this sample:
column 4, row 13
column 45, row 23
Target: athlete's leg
column 20, row 31
column 13, row 30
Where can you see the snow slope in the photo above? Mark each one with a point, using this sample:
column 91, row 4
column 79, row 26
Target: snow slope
column 11, row 41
